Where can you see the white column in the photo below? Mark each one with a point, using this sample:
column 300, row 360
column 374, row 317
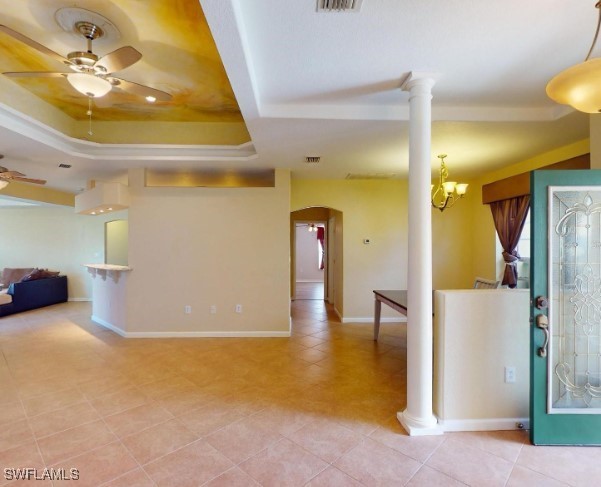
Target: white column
column 418, row 418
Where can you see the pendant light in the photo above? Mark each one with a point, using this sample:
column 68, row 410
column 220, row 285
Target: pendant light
column 579, row 85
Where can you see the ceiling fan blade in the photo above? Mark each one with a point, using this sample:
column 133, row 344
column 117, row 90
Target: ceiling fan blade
column 12, row 174
column 35, row 74
column 29, row 180
column 31, row 43
column 119, row 59
column 142, row 90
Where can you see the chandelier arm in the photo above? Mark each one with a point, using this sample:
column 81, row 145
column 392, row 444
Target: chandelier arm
column 598, row 6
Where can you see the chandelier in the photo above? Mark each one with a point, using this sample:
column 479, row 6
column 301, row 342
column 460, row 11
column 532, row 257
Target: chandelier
column 447, row 192
column 578, row 86
column 312, row 227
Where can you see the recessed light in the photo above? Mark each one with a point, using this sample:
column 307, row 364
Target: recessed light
column 109, row 209
column 93, row 213
column 151, row 99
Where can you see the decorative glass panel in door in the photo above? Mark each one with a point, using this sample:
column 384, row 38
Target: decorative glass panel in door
column 566, row 307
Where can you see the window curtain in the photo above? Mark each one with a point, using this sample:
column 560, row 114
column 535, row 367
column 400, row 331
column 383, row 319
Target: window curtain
column 509, row 216
column 321, row 237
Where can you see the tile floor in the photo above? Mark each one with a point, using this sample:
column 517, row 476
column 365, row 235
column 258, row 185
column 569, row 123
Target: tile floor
column 317, row 409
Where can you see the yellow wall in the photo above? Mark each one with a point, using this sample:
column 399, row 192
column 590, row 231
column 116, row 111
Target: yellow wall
column 370, row 209
column 39, row 193
column 377, row 209
column 483, row 245
column 116, row 242
column 209, row 246
column 55, row 238
column 595, row 133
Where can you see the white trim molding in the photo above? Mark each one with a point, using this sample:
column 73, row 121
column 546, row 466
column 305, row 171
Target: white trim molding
column 190, row 334
column 399, row 319
column 489, row 424
column 83, row 300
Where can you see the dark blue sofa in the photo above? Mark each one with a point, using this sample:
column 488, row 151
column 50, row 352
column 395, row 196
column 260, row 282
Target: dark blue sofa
column 35, row 294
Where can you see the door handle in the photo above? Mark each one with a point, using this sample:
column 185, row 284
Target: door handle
column 542, row 322
column 542, row 302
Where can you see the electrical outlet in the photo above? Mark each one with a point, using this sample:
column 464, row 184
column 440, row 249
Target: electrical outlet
column 213, row 309
column 187, row 309
column 509, row 375
column 238, row 308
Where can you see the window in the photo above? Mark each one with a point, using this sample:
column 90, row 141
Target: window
column 523, row 249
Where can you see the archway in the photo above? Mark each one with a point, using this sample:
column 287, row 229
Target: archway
column 332, row 221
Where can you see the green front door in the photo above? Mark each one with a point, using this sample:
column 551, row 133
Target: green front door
column 565, row 339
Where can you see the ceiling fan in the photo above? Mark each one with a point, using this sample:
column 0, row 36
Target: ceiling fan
column 92, row 76
column 7, row 176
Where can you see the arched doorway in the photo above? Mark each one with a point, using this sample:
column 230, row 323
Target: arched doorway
column 332, row 222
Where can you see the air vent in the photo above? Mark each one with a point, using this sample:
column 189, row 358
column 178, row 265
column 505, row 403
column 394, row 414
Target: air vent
column 312, row 159
column 339, row 5
column 65, row 166
column 371, row 176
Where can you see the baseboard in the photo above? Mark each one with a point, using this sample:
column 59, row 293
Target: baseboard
column 191, row 334
column 108, row 325
column 208, row 334
column 492, row 424
column 338, row 314
column 393, row 319
column 86, row 300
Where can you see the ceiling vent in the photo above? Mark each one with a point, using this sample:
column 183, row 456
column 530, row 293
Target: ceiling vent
column 339, row 5
column 312, row 159
column 371, row 176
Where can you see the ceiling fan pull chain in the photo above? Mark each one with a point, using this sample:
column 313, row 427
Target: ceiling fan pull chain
column 89, row 114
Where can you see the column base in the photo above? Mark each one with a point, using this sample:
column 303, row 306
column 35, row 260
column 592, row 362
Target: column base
column 419, row 427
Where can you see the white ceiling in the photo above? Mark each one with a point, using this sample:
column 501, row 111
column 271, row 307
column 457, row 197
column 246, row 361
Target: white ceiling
column 327, row 84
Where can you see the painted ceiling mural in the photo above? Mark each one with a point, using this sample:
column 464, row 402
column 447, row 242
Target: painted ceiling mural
column 179, row 57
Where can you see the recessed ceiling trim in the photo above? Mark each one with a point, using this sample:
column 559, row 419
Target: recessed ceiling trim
column 401, row 113
column 35, row 130
column 371, row 176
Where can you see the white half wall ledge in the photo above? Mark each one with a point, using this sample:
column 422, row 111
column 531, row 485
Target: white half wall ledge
column 80, row 300
column 190, row 334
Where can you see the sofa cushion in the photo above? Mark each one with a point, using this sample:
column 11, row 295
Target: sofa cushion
column 5, row 298
column 10, row 275
column 39, row 274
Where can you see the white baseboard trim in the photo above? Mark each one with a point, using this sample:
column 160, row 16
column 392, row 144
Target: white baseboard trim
column 309, row 280
column 338, row 314
column 208, row 334
column 86, row 300
column 393, row 319
column 108, row 325
column 191, row 334
column 492, row 424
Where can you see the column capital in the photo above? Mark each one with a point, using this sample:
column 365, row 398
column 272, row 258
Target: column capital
column 419, row 78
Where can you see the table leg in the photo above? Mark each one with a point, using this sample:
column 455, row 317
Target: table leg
column 377, row 310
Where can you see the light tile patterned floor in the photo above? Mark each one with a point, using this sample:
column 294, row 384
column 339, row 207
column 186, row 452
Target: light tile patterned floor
column 317, row 409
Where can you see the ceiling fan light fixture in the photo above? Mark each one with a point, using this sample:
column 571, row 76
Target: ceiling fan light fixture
column 151, row 99
column 89, row 85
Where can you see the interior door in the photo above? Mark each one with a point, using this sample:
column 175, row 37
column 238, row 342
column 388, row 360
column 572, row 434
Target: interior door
column 565, row 381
